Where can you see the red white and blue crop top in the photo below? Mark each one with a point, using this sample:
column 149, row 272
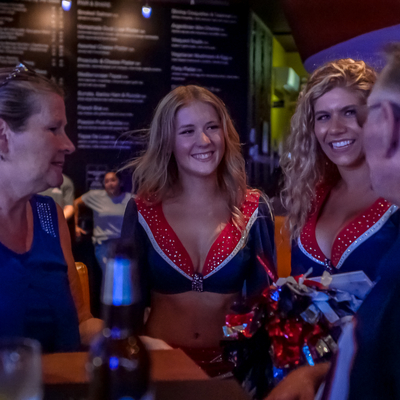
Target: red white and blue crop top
column 359, row 246
column 230, row 267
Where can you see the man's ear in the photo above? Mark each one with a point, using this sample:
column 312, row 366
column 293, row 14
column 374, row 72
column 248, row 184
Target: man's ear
column 4, row 138
column 391, row 125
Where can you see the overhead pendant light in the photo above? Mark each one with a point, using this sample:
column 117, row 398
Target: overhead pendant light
column 146, row 11
column 66, row 5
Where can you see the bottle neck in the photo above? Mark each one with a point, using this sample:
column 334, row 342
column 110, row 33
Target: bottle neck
column 120, row 298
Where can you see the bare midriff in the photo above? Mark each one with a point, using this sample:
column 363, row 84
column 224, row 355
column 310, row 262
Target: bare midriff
column 190, row 319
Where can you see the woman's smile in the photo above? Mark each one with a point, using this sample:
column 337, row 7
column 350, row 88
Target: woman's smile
column 342, row 144
column 203, row 156
column 199, row 140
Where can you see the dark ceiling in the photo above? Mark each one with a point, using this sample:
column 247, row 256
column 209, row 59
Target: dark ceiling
column 270, row 11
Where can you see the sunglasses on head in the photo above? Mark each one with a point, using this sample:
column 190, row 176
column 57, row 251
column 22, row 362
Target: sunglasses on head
column 20, row 71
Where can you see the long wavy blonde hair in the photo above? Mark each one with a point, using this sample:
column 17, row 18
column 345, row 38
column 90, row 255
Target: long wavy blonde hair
column 304, row 163
column 155, row 173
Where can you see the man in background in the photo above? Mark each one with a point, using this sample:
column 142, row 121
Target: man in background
column 63, row 196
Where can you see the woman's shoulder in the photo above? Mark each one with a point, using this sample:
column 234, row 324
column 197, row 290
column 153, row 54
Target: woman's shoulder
column 145, row 204
column 137, row 204
column 257, row 200
column 252, row 197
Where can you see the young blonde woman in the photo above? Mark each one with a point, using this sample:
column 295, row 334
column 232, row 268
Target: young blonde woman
column 337, row 222
column 199, row 225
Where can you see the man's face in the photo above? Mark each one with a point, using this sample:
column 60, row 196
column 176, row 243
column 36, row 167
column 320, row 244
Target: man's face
column 382, row 158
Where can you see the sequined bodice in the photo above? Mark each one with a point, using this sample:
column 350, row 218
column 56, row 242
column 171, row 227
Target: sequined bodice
column 222, row 250
column 228, row 264
column 348, row 240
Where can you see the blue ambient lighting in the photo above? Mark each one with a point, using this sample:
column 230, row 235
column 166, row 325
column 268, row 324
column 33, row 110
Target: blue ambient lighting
column 146, row 11
column 66, row 5
column 114, row 362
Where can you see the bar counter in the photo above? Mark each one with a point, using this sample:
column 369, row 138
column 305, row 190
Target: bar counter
column 175, row 375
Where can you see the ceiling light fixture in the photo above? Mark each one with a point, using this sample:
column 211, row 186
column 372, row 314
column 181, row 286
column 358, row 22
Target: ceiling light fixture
column 146, row 11
column 66, row 5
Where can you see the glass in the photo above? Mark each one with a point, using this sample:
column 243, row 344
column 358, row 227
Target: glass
column 20, row 370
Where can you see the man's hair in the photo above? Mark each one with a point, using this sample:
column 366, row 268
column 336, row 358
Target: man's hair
column 390, row 76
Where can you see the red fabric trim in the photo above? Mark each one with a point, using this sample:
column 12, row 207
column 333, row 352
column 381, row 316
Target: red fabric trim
column 307, row 236
column 173, row 248
column 347, row 235
column 164, row 235
column 357, row 227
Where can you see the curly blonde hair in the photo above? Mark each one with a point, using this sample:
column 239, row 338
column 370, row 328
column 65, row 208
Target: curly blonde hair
column 155, row 173
column 304, row 163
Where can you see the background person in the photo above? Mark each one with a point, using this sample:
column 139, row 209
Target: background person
column 199, row 226
column 40, row 293
column 108, row 207
column 337, row 222
column 64, row 196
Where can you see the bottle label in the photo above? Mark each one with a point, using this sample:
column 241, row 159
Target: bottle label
column 117, row 283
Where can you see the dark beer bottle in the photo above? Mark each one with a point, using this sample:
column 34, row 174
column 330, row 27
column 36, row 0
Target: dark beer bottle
column 118, row 365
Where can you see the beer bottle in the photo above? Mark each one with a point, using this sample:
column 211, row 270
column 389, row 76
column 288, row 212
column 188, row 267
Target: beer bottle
column 118, row 365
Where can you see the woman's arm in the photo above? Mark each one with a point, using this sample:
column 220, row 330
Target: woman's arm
column 88, row 326
column 301, row 384
column 77, row 204
column 68, row 211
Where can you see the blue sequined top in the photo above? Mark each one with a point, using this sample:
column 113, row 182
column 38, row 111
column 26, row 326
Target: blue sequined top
column 35, row 296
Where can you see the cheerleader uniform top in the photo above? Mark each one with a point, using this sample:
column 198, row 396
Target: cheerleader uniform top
column 230, row 267
column 360, row 245
column 35, row 296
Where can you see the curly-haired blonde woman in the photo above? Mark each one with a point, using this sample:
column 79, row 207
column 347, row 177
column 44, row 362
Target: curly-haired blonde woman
column 200, row 227
column 337, row 222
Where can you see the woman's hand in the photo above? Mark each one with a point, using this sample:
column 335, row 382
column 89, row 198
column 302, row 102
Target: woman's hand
column 301, row 384
column 154, row 344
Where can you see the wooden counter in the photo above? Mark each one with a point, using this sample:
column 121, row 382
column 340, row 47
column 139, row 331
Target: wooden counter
column 166, row 365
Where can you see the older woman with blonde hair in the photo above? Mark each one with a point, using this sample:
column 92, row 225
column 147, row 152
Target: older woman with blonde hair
column 199, row 225
column 40, row 293
column 337, row 222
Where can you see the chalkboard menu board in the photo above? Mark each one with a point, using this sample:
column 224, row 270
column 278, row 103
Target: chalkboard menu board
column 115, row 66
